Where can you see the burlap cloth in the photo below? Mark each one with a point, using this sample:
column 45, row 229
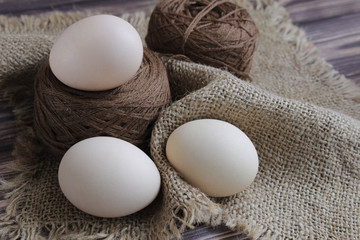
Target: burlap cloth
column 302, row 116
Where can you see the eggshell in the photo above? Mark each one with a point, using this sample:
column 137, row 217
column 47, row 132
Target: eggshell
column 97, row 53
column 214, row 156
column 108, row 177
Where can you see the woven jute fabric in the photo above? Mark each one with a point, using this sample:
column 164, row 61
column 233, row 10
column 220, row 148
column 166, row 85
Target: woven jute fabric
column 302, row 116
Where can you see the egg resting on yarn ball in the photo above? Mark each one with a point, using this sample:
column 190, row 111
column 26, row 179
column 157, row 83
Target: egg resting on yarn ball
column 63, row 115
column 216, row 33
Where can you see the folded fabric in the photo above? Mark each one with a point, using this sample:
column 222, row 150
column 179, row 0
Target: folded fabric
column 301, row 115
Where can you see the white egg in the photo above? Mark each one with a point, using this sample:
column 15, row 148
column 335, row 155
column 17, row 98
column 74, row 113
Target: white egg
column 97, row 53
column 214, row 156
column 108, row 177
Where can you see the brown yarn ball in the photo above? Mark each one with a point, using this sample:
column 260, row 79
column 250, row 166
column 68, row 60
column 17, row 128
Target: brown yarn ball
column 64, row 116
column 216, row 33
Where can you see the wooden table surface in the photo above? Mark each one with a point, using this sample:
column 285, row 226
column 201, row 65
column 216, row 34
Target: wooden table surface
column 332, row 25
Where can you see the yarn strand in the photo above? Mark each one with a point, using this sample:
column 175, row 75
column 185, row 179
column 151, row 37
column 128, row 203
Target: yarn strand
column 197, row 19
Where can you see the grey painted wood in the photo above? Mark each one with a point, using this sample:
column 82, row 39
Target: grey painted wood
column 332, row 25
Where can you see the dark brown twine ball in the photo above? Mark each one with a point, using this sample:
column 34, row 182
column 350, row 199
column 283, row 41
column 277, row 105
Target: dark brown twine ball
column 216, row 33
column 64, row 116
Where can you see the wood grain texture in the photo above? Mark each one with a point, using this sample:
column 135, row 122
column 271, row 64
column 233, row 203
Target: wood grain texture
column 332, row 25
column 310, row 10
column 338, row 41
column 18, row 7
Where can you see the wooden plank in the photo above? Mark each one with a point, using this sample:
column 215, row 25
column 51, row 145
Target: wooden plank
column 203, row 232
column 17, row 7
column 339, row 45
column 349, row 66
column 7, row 132
column 313, row 10
column 333, row 25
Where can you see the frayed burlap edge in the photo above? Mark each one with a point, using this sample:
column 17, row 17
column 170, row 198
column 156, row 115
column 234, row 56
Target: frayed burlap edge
column 45, row 23
column 317, row 65
column 306, row 49
column 212, row 215
column 26, row 140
